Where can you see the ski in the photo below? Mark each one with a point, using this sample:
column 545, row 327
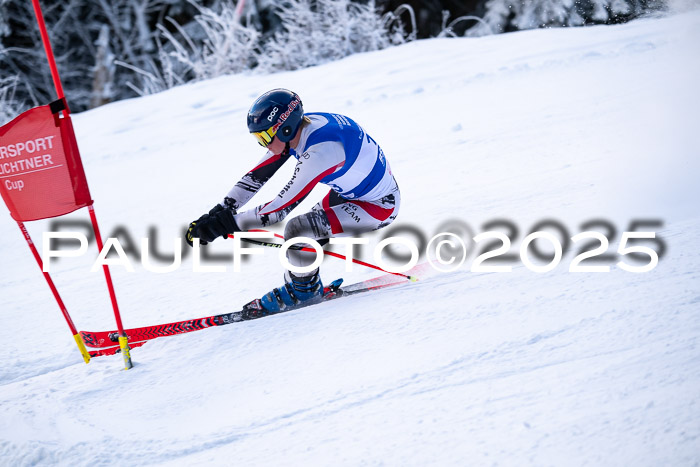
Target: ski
column 107, row 340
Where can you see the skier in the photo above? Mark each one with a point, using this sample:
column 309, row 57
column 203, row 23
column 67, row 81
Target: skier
column 330, row 149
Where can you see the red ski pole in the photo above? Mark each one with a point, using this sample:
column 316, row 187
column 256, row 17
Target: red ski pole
column 329, row 253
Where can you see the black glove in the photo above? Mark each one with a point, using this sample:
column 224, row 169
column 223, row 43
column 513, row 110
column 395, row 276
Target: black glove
column 221, row 224
column 192, row 232
column 217, row 222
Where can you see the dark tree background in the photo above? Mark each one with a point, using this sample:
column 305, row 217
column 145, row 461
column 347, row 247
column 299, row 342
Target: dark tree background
column 108, row 50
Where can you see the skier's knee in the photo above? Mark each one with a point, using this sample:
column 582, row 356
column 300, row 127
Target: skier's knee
column 296, row 228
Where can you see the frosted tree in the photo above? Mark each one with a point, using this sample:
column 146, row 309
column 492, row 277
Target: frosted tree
column 9, row 105
column 512, row 15
column 315, row 32
column 219, row 41
column 103, row 75
column 85, row 52
column 22, row 56
column 224, row 44
column 215, row 43
column 73, row 27
column 112, row 49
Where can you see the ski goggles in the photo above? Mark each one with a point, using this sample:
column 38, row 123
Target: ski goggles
column 264, row 137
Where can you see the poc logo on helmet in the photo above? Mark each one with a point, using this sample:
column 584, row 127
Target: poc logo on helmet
column 272, row 114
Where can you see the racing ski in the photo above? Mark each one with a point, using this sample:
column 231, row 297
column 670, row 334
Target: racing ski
column 106, row 340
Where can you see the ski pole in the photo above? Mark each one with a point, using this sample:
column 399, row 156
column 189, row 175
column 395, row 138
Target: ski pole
column 329, row 253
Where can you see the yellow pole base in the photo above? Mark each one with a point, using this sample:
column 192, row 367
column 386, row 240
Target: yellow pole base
column 81, row 346
column 126, row 352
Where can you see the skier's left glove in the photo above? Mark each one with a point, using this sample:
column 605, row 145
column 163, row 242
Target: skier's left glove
column 191, row 233
column 217, row 222
column 220, row 224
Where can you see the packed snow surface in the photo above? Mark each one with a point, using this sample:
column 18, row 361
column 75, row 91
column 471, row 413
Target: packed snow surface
column 460, row 368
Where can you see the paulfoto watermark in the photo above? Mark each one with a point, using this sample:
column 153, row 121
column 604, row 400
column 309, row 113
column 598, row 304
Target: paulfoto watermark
column 497, row 248
column 239, row 250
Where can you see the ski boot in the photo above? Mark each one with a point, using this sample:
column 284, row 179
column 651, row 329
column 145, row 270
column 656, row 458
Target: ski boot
column 295, row 293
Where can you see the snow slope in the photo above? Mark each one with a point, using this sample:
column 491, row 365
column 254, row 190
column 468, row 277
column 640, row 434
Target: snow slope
column 460, row 368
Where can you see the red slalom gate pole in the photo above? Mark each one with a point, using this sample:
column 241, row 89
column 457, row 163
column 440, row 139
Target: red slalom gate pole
column 123, row 340
column 52, row 286
column 239, row 10
column 47, row 48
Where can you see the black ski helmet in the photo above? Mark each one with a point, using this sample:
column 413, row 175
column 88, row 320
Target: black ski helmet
column 277, row 112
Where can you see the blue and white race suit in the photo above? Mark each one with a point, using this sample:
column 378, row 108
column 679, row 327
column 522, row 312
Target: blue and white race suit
column 335, row 151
